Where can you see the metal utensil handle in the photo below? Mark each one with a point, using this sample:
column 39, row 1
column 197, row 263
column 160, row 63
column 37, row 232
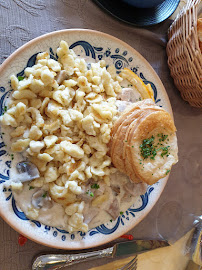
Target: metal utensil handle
column 57, row 261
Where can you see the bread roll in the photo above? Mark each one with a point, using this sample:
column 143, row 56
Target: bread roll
column 153, row 161
column 144, row 143
column 199, row 31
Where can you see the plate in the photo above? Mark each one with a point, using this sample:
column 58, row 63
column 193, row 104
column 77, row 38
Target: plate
column 127, row 12
column 98, row 46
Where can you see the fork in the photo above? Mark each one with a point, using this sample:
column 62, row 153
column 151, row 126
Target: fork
column 132, row 265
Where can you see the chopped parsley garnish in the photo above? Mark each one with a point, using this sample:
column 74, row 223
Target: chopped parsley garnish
column 162, row 137
column 110, row 220
column 165, row 151
column 167, row 172
column 96, row 186
column 148, row 149
column 90, row 193
column 121, row 213
column 4, row 109
column 31, row 187
column 20, row 78
column 45, row 194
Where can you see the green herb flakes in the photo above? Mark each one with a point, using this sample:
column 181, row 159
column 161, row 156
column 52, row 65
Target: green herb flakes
column 45, row 194
column 31, row 187
column 162, row 137
column 165, row 151
column 148, row 149
column 5, row 108
column 167, row 172
column 20, row 78
column 90, row 193
column 121, row 213
column 95, row 186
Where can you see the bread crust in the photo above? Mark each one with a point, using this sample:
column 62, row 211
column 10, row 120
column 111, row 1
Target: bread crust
column 118, row 146
column 126, row 151
column 119, row 139
column 154, row 124
column 139, row 122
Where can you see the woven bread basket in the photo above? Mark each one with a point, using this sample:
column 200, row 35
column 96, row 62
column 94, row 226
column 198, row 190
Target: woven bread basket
column 184, row 55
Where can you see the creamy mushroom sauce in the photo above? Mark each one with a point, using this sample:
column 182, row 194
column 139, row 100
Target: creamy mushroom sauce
column 55, row 215
column 122, row 192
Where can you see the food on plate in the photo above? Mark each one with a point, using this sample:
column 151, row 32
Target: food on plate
column 144, row 90
column 68, row 120
column 143, row 142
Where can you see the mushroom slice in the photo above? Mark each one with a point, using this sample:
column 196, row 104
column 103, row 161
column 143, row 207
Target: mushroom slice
column 101, row 186
column 89, row 213
column 129, row 95
column 41, row 199
column 116, row 189
column 121, row 105
column 114, row 209
column 27, row 170
column 61, row 76
column 87, row 191
column 135, row 189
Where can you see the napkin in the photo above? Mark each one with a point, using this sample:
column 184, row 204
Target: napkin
column 173, row 257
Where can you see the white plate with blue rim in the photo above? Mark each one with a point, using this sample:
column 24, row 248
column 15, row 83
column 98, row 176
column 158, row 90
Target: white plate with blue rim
column 95, row 45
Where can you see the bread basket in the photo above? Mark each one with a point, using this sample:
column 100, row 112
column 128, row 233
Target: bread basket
column 184, row 55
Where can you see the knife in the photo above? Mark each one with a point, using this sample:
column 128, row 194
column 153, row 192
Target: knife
column 57, row 261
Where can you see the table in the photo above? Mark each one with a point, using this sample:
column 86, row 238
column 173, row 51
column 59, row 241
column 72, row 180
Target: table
column 23, row 20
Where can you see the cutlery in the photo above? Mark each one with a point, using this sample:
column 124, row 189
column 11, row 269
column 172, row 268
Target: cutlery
column 57, row 261
column 132, row 265
column 194, row 248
